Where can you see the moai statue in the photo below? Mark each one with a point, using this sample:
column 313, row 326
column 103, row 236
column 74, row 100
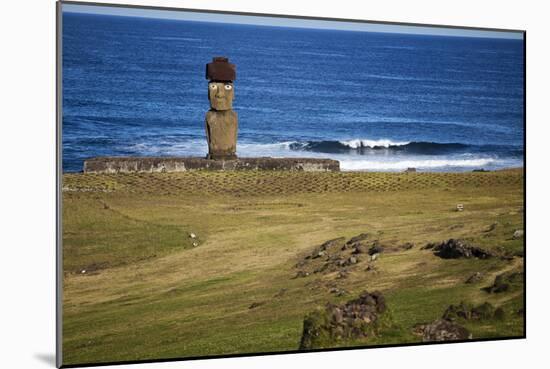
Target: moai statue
column 221, row 120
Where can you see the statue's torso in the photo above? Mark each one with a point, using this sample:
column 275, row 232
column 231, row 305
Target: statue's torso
column 221, row 130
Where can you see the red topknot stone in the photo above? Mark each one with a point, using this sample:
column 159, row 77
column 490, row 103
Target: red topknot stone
column 220, row 70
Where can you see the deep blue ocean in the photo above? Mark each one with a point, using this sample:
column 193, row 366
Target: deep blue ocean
column 374, row 101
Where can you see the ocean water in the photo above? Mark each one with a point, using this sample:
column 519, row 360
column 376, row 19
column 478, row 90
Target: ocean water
column 373, row 101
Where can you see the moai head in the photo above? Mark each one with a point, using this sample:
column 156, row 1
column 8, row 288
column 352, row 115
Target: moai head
column 221, row 75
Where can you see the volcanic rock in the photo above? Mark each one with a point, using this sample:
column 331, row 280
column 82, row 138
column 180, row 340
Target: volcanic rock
column 475, row 278
column 444, row 330
column 505, row 281
column 360, row 318
column 517, row 234
column 454, row 249
column 464, row 311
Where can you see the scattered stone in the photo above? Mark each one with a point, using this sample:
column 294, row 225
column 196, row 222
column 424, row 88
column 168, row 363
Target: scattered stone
column 340, row 257
column 371, row 268
column 325, row 247
column 301, row 274
column 459, row 207
column 454, row 249
column 359, row 249
column 255, row 305
column 375, row 249
column 444, row 330
column 93, row 268
column 357, row 319
column 319, row 254
column 418, row 329
column 359, row 238
column 343, row 274
column 475, row 278
column 195, row 244
column 332, row 243
column 301, row 263
column 517, row 234
column 337, row 291
column 429, row 246
column 192, row 235
column 490, row 228
column 506, row 281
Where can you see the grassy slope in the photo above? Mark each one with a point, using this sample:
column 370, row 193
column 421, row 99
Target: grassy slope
column 147, row 293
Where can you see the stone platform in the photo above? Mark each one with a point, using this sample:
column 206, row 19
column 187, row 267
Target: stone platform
column 183, row 164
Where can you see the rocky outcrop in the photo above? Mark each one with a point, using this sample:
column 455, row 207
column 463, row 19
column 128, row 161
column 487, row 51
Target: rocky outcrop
column 341, row 256
column 360, row 318
column 506, row 281
column 454, row 249
column 447, row 328
column 464, row 311
column 444, row 330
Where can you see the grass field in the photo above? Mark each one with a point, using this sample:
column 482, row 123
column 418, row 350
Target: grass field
column 136, row 288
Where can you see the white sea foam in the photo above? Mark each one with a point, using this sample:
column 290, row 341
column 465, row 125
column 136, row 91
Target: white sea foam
column 354, row 144
column 198, row 147
column 357, row 165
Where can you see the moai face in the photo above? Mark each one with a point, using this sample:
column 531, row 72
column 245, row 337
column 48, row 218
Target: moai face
column 221, row 95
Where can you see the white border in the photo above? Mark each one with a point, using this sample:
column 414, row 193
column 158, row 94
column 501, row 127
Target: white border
column 28, row 181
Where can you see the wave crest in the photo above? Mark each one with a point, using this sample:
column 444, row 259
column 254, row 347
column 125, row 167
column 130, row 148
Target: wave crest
column 359, row 146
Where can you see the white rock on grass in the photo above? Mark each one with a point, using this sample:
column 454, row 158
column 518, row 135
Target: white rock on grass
column 192, row 235
column 518, row 234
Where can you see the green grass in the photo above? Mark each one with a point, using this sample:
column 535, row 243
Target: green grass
column 150, row 294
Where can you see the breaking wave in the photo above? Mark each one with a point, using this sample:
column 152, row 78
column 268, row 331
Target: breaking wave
column 367, row 146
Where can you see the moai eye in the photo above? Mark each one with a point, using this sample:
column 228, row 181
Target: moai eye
column 213, row 86
column 228, row 87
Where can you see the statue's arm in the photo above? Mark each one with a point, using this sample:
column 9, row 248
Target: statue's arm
column 207, row 127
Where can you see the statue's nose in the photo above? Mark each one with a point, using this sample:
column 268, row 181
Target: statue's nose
column 220, row 92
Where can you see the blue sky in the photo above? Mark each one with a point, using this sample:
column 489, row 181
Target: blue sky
column 285, row 22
